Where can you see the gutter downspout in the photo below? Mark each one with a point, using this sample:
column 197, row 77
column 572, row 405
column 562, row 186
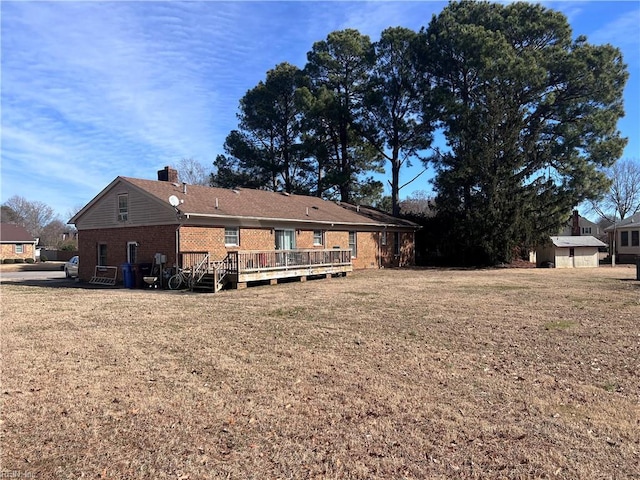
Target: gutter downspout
column 180, row 225
column 177, row 247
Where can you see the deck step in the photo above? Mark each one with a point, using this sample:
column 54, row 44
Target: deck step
column 207, row 283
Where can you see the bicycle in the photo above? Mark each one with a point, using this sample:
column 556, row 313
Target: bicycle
column 183, row 277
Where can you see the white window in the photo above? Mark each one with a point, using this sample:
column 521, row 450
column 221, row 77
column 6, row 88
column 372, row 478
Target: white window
column 19, row 248
column 353, row 244
column 285, row 239
column 586, row 230
column 232, row 236
column 123, row 207
column 383, row 238
column 318, row 237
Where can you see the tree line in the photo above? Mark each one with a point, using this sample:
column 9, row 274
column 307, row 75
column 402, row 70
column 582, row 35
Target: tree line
column 40, row 220
column 529, row 115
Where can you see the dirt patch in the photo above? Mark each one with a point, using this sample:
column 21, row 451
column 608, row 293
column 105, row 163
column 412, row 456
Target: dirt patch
column 502, row 373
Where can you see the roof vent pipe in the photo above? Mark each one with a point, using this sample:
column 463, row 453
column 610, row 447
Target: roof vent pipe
column 184, row 187
column 216, row 203
column 307, row 211
column 358, row 208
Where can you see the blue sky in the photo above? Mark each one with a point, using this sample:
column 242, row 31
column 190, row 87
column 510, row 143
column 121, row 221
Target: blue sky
column 93, row 90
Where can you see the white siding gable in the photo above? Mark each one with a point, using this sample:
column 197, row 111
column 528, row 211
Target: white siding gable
column 143, row 209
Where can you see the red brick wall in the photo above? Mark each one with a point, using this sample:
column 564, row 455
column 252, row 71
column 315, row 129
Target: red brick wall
column 336, row 239
column 203, row 239
column 256, row 239
column 367, row 250
column 211, row 239
column 151, row 240
column 161, row 239
column 304, row 239
column 407, row 250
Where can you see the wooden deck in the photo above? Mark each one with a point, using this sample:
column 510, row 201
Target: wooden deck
column 242, row 267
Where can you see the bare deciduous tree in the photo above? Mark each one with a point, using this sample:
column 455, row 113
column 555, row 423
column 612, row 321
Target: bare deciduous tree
column 33, row 216
column 192, row 172
column 623, row 198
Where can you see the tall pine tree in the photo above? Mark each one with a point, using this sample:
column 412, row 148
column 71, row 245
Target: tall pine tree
column 266, row 151
column 338, row 69
column 530, row 120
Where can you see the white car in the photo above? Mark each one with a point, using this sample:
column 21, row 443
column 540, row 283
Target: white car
column 71, row 267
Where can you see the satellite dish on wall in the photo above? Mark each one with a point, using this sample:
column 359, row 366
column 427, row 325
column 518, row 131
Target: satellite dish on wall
column 174, row 201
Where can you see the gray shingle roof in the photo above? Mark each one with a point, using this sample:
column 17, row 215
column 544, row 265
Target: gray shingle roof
column 629, row 221
column 577, row 241
column 259, row 204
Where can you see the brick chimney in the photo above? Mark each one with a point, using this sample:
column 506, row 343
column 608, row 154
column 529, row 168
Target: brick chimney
column 168, row 174
column 575, row 224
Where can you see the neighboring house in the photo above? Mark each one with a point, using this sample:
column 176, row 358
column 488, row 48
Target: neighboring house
column 624, row 239
column 570, row 252
column 16, row 242
column 578, row 225
column 133, row 219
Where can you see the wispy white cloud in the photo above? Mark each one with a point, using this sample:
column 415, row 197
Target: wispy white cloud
column 110, row 87
column 623, row 32
column 373, row 17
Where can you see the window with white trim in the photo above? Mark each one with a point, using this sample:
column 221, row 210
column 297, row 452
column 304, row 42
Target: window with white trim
column 383, row 238
column 19, row 248
column 318, row 237
column 231, row 236
column 285, row 239
column 353, row 244
column 123, row 207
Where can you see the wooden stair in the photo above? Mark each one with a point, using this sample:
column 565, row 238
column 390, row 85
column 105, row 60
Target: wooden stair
column 208, row 284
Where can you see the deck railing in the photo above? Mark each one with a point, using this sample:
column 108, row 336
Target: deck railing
column 251, row 265
column 264, row 260
column 190, row 260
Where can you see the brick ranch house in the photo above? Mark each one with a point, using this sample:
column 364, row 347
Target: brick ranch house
column 132, row 219
column 16, row 242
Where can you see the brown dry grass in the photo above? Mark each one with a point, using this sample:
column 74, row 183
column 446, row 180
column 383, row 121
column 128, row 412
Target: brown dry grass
column 385, row 374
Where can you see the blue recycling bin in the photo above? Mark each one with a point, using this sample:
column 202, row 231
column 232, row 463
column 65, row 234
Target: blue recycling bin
column 127, row 275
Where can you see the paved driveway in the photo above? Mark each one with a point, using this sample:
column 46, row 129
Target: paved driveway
column 53, row 276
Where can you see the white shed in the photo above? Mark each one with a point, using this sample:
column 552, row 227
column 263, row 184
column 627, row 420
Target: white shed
column 570, row 252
